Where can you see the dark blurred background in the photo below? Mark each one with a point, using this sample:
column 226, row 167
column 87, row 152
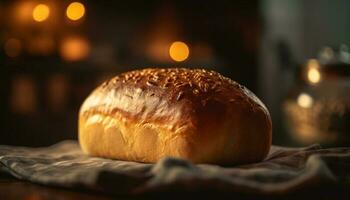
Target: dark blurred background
column 54, row 52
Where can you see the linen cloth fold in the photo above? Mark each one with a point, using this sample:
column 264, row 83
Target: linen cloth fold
column 284, row 171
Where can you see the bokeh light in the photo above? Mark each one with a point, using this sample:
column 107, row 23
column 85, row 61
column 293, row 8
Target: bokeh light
column 75, row 11
column 179, row 51
column 74, row 48
column 23, row 11
column 41, row 12
column 304, row 100
column 313, row 72
column 12, row 47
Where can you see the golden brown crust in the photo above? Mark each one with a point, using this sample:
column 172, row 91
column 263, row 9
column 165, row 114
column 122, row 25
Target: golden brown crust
column 195, row 114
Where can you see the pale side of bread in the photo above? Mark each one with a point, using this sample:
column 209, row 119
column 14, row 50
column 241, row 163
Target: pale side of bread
column 193, row 114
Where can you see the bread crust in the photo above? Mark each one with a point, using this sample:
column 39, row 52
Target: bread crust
column 195, row 114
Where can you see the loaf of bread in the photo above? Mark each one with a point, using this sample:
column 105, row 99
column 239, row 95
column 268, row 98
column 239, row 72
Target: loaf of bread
column 193, row 114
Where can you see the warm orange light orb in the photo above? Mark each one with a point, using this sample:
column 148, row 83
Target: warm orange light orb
column 179, row 51
column 41, row 12
column 74, row 49
column 75, row 11
column 313, row 72
column 304, row 100
column 314, row 75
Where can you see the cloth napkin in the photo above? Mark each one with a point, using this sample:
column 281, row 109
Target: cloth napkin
column 285, row 171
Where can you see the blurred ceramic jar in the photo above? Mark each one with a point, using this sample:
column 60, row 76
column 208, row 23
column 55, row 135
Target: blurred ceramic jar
column 317, row 108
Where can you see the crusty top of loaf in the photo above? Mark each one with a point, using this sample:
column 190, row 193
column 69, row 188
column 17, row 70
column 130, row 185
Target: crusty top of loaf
column 178, row 83
column 167, row 95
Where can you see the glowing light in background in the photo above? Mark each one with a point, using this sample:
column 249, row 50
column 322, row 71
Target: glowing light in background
column 314, row 75
column 41, row 12
column 12, row 47
column 313, row 72
column 75, row 11
column 23, row 11
column 158, row 48
column 304, row 100
column 179, row 51
column 74, row 48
